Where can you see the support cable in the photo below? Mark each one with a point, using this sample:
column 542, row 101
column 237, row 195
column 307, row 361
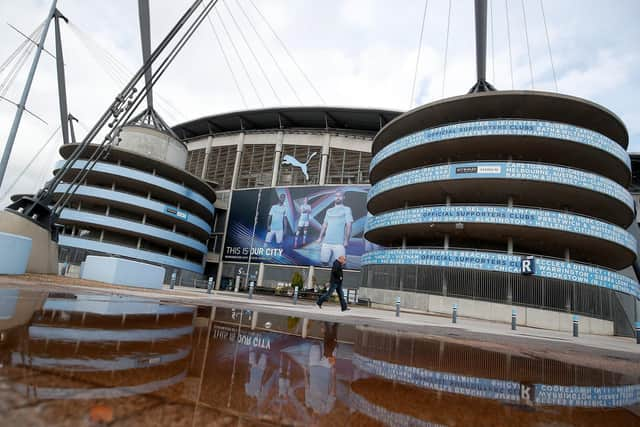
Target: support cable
column 235, row 49
column 506, row 6
column 415, row 72
column 226, row 60
column 493, row 56
column 116, row 69
column 21, row 46
column 104, row 147
column 526, row 36
column 284, row 47
column 446, row 49
column 126, row 102
column 266, row 48
column 28, row 165
column 546, row 32
column 253, row 54
column 17, row 65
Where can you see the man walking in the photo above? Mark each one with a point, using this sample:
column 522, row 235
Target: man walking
column 336, row 284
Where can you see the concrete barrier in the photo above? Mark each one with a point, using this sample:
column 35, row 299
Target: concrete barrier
column 15, row 251
column 119, row 271
column 44, row 252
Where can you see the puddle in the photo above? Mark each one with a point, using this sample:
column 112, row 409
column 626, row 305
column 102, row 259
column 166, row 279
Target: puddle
column 76, row 359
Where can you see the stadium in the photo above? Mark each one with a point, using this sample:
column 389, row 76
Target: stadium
column 258, row 157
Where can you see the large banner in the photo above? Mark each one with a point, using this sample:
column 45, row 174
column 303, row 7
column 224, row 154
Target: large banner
column 298, row 225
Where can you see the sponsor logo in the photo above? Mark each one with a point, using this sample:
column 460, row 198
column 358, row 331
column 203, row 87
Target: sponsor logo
column 176, row 212
column 290, row 160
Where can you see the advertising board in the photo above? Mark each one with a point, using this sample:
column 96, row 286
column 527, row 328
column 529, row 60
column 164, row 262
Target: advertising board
column 298, row 225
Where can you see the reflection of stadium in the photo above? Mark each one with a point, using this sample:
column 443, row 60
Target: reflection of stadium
column 178, row 364
column 292, row 153
column 449, row 376
column 465, row 189
column 95, row 347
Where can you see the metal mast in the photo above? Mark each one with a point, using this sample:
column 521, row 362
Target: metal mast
column 62, row 85
column 25, row 94
column 481, row 48
column 40, row 208
column 149, row 117
column 145, row 38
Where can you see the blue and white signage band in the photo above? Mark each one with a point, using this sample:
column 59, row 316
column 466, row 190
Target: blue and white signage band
column 505, row 170
column 545, row 267
column 493, row 388
column 527, row 217
column 533, row 128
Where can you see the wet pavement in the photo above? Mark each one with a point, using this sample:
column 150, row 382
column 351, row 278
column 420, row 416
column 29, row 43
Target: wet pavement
column 74, row 358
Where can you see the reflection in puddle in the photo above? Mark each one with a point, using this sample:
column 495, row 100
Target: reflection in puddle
column 77, row 359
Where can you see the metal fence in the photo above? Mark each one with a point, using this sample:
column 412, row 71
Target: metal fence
column 507, row 288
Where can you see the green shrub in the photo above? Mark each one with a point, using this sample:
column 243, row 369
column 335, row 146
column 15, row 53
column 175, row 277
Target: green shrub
column 297, row 281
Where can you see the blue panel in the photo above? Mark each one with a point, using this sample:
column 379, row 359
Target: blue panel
column 109, row 248
column 486, row 388
column 120, row 271
column 136, row 175
column 113, row 305
column 134, row 227
column 15, row 250
column 493, row 388
column 130, row 199
column 538, row 218
column 532, row 128
column 100, row 393
column 544, row 267
column 41, row 332
column 93, row 365
column 505, row 170
column 586, row 396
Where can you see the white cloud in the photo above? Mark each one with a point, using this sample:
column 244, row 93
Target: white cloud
column 357, row 53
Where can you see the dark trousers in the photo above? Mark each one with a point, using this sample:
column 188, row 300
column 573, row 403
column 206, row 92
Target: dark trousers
column 334, row 287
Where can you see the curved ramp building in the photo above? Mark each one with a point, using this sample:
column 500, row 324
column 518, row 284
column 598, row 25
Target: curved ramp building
column 139, row 203
column 505, row 198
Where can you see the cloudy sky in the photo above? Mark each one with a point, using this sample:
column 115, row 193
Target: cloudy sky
column 356, row 52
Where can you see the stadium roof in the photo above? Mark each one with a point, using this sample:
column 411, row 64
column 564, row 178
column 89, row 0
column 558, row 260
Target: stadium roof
column 359, row 120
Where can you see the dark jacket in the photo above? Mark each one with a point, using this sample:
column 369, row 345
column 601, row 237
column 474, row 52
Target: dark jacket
column 336, row 273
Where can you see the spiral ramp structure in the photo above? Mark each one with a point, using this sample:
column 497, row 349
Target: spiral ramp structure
column 138, row 203
column 512, row 197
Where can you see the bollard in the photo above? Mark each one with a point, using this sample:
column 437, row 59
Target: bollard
column 397, row 306
column 637, row 332
column 454, row 316
column 513, row 319
column 251, row 290
column 173, row 280
column 295, row 296
column 575, row 325
column 209, row 284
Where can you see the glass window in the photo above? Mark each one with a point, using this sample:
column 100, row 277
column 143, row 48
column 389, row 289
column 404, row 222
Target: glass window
column 195, row 161
column 280, row 276
column 348, row 167
column 256, row 166
column 220, row 166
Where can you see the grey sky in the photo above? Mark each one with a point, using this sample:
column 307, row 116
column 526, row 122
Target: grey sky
column 356, row 52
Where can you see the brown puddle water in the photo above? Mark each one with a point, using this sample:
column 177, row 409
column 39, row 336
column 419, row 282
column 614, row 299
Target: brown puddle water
column 78, row 359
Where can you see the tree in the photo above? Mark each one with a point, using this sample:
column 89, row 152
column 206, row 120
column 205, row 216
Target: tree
column 297, row 281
